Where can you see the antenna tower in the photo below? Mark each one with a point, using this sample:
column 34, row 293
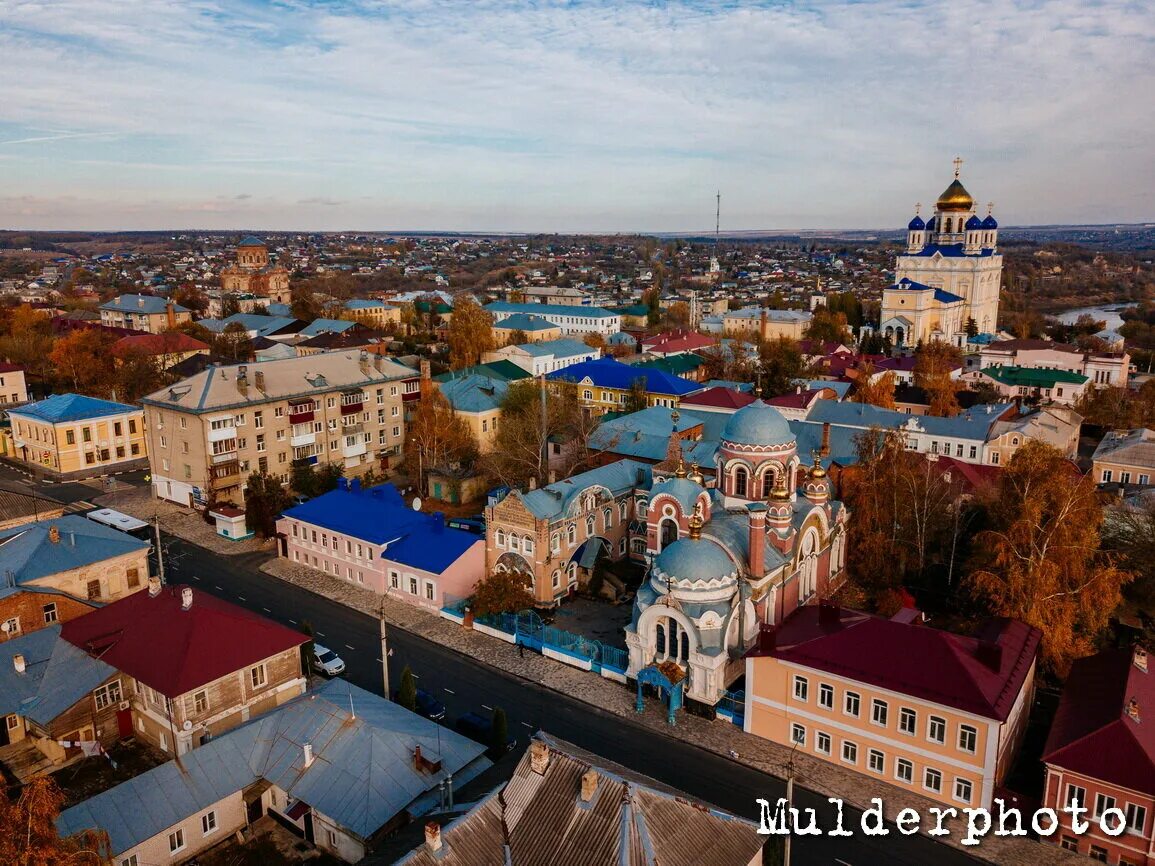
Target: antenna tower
column 717, row 218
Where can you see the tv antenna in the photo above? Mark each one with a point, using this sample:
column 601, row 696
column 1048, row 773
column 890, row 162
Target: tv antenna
column 717, row 218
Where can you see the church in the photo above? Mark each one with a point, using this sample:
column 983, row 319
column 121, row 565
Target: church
column 947, row 281
column 766, row 540
column 254, row 274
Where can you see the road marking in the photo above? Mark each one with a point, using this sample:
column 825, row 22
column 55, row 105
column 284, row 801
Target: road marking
column 194, row 577
column 266, row 610
column 241, row 597
column 292, row 622
column 320, row 634
column 487, row 707
column 350, row 648
column 528, row 725
column 378, row 659
column 221, row 588
column 450, row 691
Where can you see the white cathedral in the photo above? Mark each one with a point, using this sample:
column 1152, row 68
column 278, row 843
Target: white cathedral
column 949, row 277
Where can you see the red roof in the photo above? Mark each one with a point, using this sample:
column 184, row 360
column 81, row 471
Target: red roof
column 974, row 476
column 159, row 344
column 677, row 341
column 176, row 651
column 981, row 675
column 9, row 368
column 1092, row 733
column 797, row 400
column 719, row 397
column 827, row 347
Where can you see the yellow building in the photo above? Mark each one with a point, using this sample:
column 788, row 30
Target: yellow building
column 73, row 436
column 935, row 713
column 253, row 273
column 477, row 401
column 535, row 329
column 375, row 314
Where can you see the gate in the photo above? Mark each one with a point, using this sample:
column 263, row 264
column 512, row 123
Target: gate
column 530, row 630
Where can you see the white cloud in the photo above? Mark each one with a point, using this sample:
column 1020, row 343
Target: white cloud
column 566, row 116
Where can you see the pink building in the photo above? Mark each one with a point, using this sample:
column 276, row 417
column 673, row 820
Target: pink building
column 1101, row 754
column 370, row 538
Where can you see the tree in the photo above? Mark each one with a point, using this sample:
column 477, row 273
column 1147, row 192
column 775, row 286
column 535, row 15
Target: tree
column 28, row 834
column 190, row 296
column 234, row 342
column 83, row 362
column 27, row 339
column 781, row 365
column 934, row 364
column 304, row 305
column 972, row 327
column 594, row 340
column 407, row 690
column 265, row 499
column 678, row 315
column 437, row 438
column 652, row 299
column 498, row 733
column 470, row 333
column 1127, row 532
column 827, row 326
column 137, row 374
column 502, row 592
column 875, row 390
column 1039, row 559
column 637, row 398
column 517, row 337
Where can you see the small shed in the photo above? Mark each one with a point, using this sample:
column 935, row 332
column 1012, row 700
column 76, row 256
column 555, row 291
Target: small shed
column 230, row 522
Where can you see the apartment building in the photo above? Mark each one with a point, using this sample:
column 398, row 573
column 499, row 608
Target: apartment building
column 146, row 313
column 73, row 436
column 936, row 713
column 1125, row 457
column 606, row 384
column 1101, row 368
column 539, row 358
column 209, row 431
column 375, row 314
column 13, row 387
column 570, row 319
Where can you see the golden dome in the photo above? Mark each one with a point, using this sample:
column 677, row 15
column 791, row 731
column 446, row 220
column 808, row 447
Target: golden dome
column 955, row 197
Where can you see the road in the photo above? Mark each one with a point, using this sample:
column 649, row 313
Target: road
column 463, row 684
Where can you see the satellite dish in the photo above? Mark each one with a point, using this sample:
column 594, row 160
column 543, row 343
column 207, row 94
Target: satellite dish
column 5, row 627
column 187, row 725
column 416, row 503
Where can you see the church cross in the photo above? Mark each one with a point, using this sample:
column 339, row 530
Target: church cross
column 958, row 161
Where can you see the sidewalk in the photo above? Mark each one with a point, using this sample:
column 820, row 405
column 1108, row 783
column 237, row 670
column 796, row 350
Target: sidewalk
column 718, row 736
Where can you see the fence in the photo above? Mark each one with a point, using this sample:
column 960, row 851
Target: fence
column 732, row 706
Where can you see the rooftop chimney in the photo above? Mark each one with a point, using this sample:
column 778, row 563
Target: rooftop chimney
column 54, row 534
column 1139, row 658
column 308, row 749
column 153, row 586
column 532, row 483
column 589, row 784
column 18, row 662
column 259, row 378
column 170, row 314
column 824, row 450
column 829, row 612
column 756, row 559
column 433, row 837
column 186, row 598
column 538, row 757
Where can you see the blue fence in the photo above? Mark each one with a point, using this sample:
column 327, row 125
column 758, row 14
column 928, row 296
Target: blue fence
column 732, row 706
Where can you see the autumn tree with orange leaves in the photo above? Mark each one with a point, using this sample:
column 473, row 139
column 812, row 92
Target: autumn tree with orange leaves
column 1039, row 560
column 875, row 391
column 28, row 834
column 934, row 363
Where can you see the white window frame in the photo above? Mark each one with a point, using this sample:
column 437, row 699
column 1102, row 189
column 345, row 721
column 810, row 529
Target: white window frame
column 871, row 755
column 825, row 690
column 879, row 707
column 797, row 734
column 958, row 784
column 905, row 713
column 966, row 732
column 820, row 738
column 209, row 823
column 851, row 747
column 856, row 698
column 258, row 677
column 176, row 836
column 801, row 688
column 933, row 722
column 904, row 770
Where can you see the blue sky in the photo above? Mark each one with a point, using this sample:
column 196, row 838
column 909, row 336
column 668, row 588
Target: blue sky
column 569, row 116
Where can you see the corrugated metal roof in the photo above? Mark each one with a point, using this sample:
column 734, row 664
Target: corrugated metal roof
column 29, row 553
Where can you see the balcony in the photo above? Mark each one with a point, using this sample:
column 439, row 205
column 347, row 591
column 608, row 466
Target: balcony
column 224, row 456
column 301, row 413
column 355, row 450
column 352, row 429
column 351, row 408
column 300, row 439
column 222, row 433
column 225, row 475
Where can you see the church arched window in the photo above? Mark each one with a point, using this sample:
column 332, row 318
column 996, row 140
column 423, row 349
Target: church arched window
column 741, row 479
column 591, row 526
column 684, row 648
column 660, row 640
column 669, row 533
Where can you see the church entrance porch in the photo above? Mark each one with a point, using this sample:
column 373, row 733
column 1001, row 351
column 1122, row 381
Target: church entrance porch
column 666, row 680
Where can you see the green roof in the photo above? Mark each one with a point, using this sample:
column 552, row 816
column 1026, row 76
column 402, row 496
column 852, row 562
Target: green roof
column 502, row 371
column 676, row 365
column 1030, row 377
column 635, row 310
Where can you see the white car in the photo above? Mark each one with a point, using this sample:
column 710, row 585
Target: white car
column 327, row 662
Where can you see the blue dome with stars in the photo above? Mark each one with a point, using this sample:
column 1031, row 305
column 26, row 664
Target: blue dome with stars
column 974, row 223
column 916, row 224
column 990, row 223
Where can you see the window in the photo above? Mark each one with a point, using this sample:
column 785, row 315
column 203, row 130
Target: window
column 932, row 779
column 1097, row 853
column 93, row 589
column 1136, row 818
column 801, row 688
column 904, row 770
column 86, row 434
column 822, row 743
column 258, row 677
column 571, row 534
column 131, row 425
column 878, row 712
column 1106, row 475
column 50, row 614
column 876, row 760
column 200, row 702
column 332, row 837
column 394, row 579
column 851, row 704
column 130, row 861
column 132, row 577
column 258, row 419
column 1069, row 843
column 499, row 538
column 849, row 752
column 429, row 591
column 11, row 626
column 1144, row 480
column 209, row 822
column 1103, row 803
column 798, row 734
column 936, row 730
column 907, row 721
column 963, row 790
column 968, row 738
column 175, row 841
column 1076, row 794
column 413, row 586
column 826, row 696
column 70, row 437
column 1125, row 477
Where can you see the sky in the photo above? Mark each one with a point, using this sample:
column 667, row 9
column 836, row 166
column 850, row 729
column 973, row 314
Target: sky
column 569, row 116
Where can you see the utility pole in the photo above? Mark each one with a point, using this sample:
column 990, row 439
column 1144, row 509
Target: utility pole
column 385, row 651
column 789, row 803
column 159, row 550
column 543, row 475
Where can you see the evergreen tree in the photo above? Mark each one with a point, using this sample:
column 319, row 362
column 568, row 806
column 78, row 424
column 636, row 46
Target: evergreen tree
column 499, row 732
column 265, row 499
column 407, row 691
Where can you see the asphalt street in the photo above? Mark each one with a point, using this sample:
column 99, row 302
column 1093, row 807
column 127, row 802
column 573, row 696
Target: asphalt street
column 464, row 684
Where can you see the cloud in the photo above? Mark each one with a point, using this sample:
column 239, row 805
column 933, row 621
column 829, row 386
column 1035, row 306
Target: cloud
column 590, row 115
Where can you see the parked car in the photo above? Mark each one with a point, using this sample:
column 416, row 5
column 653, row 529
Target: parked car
column 429, row 706
column 327, row 662
column 478, row 727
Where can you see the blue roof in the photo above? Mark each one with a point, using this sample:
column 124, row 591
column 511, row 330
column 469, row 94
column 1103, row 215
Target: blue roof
column 685, row 491
column 646, row 435
column 839, row 388
column 281, row 310
column 326, row 326
column 262, row 325
column 552, row 309
column 554, row 500
column 758, row 424
column 990, row 222
column 621, row 338
column 361, row 776
column 974, row 223
column 930, row 224
column 940, row 295
column 474, row 393
column 698, row 559
column 150, row 304
column 29, row 553
column 975, row 423
column 56, row 676
column 563, row 348
column 611, row 373
column 949, row 251
column 771, row 315
column 379, row 515
column 916, row 224
column 525, row 322
column 67, row 408
column 251, row 241
column 367, row 304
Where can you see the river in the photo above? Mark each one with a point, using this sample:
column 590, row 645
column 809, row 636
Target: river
column 1107, row 312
